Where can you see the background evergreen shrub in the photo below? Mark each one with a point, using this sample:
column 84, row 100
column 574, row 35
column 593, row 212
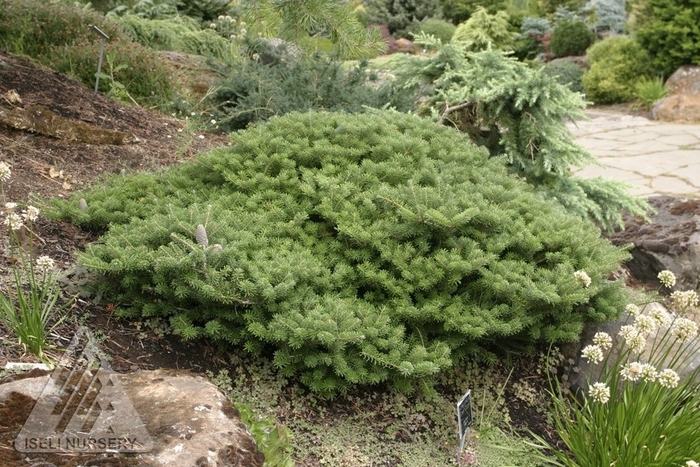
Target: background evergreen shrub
column 253, row 91
column 483, row 30
column 180, row 34
column 359, row 248
column 519, row 114
column 571, row 38
column 402, row 17
column 439, row 28
column 616, row 63
column 669, row 30
column 567, row 73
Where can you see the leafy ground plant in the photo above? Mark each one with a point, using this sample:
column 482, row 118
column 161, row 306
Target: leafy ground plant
column 643, row 408
column 29, row 309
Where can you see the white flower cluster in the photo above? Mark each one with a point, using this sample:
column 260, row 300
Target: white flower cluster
column 600, row 392
column 634, row 339
column 592, row 353
column 684, row 329
column 5, row 172
column 15, row 220
column 667, row 278
column 583, row 278
column 44, row 264
column 684, row 299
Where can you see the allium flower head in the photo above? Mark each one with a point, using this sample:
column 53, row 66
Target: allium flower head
column 31, row 214
column 602, row 340
column 684, row 329
column 628, row 330
column 631, row 371
column 44, row 263
column 636, row 342
column 599, row 392
column 684, row 299
column 668, row 378
column 632, row 309
column 691, row 464
column 667, row 278
column 5, row 172
column 661, row 317
column 13, row 221
column 644, row 324
column 649, row 372
column 583, row 278
column 10, row 206
column 592, row 353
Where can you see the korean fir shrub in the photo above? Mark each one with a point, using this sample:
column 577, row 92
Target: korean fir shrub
column 571, row 38
column 519, row 114
column 358, row 248
column 616, row 64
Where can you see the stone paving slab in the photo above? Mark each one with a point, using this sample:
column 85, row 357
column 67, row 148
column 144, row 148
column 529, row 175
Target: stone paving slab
column 653, row 158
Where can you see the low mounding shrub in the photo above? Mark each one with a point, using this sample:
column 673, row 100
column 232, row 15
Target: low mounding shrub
column 571, row 38
column 567, row 73
column 616, row 64
column 359, row 248
column 439, row 28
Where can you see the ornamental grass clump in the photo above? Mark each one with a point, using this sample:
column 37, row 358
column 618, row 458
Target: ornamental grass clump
column 644, row 406
column 29, row 309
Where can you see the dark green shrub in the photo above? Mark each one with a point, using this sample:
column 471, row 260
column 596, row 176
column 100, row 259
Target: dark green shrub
column 567, row 73
column 402, row 17
column 669, row 30
column 458, row 11
column 571, row 38
column 256, row 90
column 360, row 248
column 439, row 28
column 616, row 63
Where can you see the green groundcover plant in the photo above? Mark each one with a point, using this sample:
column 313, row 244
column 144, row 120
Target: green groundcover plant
column 29, row 309
column 639, row 411
column 359, row 248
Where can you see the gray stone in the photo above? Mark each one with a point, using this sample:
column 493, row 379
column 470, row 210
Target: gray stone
column 190, row 420
column 683, row 101
column 670, row 241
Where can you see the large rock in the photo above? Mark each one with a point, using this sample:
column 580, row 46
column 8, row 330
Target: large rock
column 670, row 241
column 683, row 102
column 190, row 422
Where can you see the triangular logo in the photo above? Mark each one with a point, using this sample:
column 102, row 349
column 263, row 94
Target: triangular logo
column 83, row 407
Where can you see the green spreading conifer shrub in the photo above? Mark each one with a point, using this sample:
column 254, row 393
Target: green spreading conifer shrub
column 358, row 248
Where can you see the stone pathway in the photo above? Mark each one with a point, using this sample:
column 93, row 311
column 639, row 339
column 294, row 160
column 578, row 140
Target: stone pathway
column 654, row 158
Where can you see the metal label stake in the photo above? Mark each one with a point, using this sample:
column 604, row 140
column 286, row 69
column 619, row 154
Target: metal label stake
column 103, row 36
